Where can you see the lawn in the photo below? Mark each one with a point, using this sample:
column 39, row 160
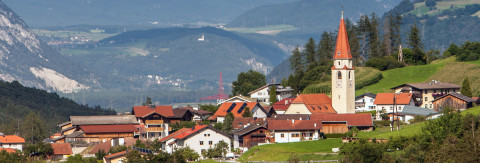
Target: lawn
column 307, row 150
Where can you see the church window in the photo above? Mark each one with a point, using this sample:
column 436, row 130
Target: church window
column 338, row 62
column 349, row 77
column 339, row 75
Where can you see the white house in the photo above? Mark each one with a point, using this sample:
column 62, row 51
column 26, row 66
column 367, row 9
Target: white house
column 199, row 138
column 285, row 131
column 262, row 94
column 11, row 141
column 409, row 112
column 238, row 98
column 365, row 102
column 237, row 109
column 392, row 102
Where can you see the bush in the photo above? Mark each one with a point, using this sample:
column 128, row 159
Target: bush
column 384, row 63
column 340, row 135
column 382, row 123
column 418, row 118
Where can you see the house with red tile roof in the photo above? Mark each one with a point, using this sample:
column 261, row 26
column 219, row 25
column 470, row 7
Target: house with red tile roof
column 154, row 119
column 311, row 104
column 426, row 93
column 12, row 141
column 199, row 138
column 105, row 146
column 390, row 102
column 118, row 157
column 8, row 150
column 61, row 151
column 342, row 123
column 294, row 130
column 237, row 109
column 281, row 106
column 262, row 94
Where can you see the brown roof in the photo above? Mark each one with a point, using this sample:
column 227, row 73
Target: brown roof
column 103, row 120
column 105, row 146
column 294, row 125
column 179, row 113
column 456, row 95
column 108, row 128
column 143, row 111
column 360, row 119
column 118, row 154
column 316, row 103
column 178, row 132
column 11, row 139
column 198, row 111
column 62, row 149
column 246, row 130
column 387, row 98
column 283, row 105
column 431, row 85
column 239, row 122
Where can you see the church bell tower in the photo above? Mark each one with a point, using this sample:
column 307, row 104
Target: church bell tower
column 343, row 74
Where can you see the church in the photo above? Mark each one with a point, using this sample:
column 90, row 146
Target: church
column 342, row 100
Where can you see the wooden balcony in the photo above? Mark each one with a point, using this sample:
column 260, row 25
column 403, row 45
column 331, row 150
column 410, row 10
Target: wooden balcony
column 154, row 122
column 154, row 129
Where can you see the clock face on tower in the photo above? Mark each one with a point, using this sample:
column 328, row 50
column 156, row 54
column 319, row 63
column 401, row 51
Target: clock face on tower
column 339, row 84
column 350, row 83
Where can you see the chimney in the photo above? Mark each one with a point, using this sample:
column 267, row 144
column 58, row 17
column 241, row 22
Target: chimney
column 293, row 120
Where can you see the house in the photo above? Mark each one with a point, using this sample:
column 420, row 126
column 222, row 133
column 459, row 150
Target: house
column 181, row 115
column 385, row 102
column 425, row 93
column 269, row 110
column 285, row 131
column 342, row 123
column 249, row 136
column 154, row 120
column 281, row 106
column 409, row 112
column 61, row 151
column 199, row 138
column 98, row 128
column 311, row 104
column 262, row 94
column 237, row 109
column 118, row 157
column 365, row 102
column 105, row 146
column 11, row 141
column 198, row 114
column 168, row 142
column 241, row 122
column 456, row 100
column 238, row 98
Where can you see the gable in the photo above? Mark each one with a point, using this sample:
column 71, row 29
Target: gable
column 297, row 109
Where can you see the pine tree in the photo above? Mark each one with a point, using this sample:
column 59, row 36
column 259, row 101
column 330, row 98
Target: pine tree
column 33, row 128
column 396, row 36
column 363, row 24
column 354, row 43
column 309, row 53
column 296, row 63
column 325, row 48
column 247, row 112
column 387, row 41
column 374, row 43
column 273, row 95
column 415, row 43
column 228, row 122
column 466, row 89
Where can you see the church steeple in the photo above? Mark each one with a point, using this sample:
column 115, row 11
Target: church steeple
column 342, row 49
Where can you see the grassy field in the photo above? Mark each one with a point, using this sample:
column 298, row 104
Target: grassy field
column 308, row 150
column 456, row 72
column 271, row 29
column 67, row 34
column 421, row 9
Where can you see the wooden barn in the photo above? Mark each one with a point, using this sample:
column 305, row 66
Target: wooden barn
column 455, row 100
column 249, row 136
column 342, row 123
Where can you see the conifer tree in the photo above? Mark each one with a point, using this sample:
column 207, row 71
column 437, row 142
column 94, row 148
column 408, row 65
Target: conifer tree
column 228, row 122
column 374, row 43
column 33, row 128
column 310, row 53
column 296, row 63
column 325, row 49
column 363, row 24
column 415, row 43
column 354, row 43
column 247, row 112
column 273, row 95
column 466, row 89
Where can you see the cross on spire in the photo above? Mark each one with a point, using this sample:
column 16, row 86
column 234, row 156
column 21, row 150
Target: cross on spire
column 342, row 11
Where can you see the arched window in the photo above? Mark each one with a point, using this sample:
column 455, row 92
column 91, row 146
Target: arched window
column 349, row 77
column 339, row 75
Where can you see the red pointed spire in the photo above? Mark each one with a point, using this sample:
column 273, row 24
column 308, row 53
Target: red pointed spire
column 342, row 49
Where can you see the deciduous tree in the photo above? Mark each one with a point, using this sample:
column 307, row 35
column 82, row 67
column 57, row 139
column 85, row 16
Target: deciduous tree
column 247, row 82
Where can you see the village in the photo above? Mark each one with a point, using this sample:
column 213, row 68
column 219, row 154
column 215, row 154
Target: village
column 241, row 123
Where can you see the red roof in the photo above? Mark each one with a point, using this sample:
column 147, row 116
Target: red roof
column 239, row 122
column 342, row 49
column 108, row 128
column 360, row 119
column 387, row 98
column 190, row 131
column 174, row 134
column 222, row 110
column 282, row 105
column 62, row 149
column 316, row 103
column 143, row 111
column 11, row 139
column 116, row 154
column 105, row 146
column 294, row 124
column 9, row 150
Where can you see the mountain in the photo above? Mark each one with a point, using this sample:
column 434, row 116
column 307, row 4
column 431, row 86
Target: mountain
column 178, row 54
column 25, row 58
column 127, row 12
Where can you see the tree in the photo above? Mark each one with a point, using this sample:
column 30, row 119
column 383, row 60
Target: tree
column 363, row 30
column 273, row 95
column 374, row 43
column 310, row 53
column 148, row 102
column 325, row 48
column 33, row 128
column 362, row 151
column 466, row 89
column 100, row 154
column 220, row 150
column 414, row 41
column 354, row 42
column 296, row 61
column 209, row 107
column 228, row 122
column 247, row 82
column 189, row 153
column 451, row 51
column 432, row 55
column 41, row 149
column 247, row 112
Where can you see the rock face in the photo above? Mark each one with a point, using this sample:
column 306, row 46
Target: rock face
column 25, row 58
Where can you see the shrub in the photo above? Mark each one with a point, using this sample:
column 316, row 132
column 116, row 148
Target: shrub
column 340, row 135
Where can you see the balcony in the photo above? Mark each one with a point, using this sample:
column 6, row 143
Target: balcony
column 154, row 129
column 154, row 122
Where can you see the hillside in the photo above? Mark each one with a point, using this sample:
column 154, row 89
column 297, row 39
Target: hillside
column 128, row 12
column 16, row 101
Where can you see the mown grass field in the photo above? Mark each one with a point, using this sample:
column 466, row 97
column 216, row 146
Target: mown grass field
column 308, row 150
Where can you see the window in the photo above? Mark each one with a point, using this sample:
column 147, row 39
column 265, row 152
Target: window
column 295, row 135
column 431, row 106
column 282, row 135
column 210, row 142
column 208, row 134
column 339, row 75
column 426, row 99
column 400, row 108
column 426, row 91
column 371, row 100
column 349, row 77
column 201, row 142
column 338, row 62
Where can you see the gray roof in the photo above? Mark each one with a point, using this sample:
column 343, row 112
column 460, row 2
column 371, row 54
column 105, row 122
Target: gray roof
column 412, row 110
column 431, row 85
column 457, row 95
column 246, row 130
column 103, row 120
column 64, row 123
column 76, row 134
column 366, row 94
